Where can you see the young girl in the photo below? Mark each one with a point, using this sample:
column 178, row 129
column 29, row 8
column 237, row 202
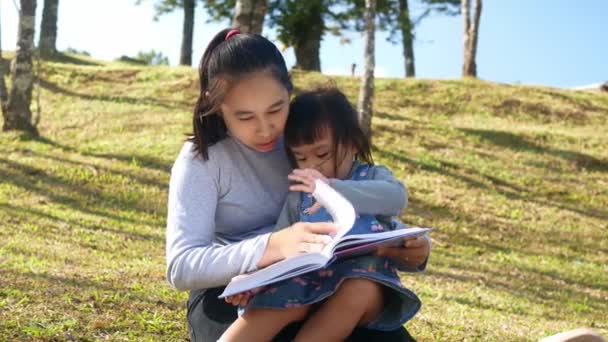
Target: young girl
column 325, row 142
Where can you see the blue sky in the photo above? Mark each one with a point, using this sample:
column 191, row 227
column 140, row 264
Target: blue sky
column 559, row 43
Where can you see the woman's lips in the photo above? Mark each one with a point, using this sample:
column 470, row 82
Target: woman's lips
column 267, row 146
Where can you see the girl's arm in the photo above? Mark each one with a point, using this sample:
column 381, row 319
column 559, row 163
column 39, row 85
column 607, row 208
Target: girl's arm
column 381, row 194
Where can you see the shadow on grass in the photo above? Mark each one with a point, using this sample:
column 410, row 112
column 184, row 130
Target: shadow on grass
column 548, row 287
column 52, row 87
column 80, row 197
column 82, row 288
column 97, row 168
column 67, row 59
column 143, row 160
column 582, row 104
column 512, row 191
column 35, row 214
column 519, row 143
column 533, row 288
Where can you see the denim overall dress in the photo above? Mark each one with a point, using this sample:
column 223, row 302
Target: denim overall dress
column 400, row 304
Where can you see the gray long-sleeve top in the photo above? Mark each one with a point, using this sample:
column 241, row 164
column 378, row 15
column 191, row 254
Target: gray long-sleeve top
column 221, row 212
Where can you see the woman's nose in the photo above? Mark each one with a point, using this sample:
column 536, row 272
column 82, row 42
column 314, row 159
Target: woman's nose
column 265, row 128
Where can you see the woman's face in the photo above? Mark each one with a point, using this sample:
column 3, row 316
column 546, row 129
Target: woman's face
column 255, row 110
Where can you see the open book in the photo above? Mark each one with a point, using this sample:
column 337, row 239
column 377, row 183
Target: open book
column 341, row 246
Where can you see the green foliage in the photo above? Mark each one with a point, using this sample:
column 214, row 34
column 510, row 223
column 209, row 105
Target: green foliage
column 151, row 57
column 76, row 51
column 164, row 6
column 294, row 20
column 395, row 21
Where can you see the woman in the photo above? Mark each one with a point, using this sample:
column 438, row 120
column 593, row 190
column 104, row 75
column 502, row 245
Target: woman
column 230, row 180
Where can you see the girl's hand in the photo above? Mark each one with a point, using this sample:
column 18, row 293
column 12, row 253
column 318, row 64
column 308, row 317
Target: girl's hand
column 412, row 254
column 299, row 238
column 306, row 180
column 240, row 299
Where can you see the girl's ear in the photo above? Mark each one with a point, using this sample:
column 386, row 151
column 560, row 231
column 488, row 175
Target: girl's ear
column 207, row 94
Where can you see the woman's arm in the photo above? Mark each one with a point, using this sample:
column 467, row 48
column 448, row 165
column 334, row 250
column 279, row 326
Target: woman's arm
column 194, row 260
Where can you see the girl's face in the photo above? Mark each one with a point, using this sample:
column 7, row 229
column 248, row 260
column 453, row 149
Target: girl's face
column 321, row 156
column 255, row 110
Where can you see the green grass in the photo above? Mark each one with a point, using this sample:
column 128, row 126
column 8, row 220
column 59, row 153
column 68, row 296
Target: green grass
column 514, row 178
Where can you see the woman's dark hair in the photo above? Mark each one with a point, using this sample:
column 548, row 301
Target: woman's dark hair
column 312, row 112
column 224, row 62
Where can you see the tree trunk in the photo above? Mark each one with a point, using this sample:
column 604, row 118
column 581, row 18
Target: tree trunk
column 3, row 92
column 307, row 45
column 3, row 69
column 18, row 114
column 48, row 28
column 366, row 92
column 185, row 57
column 407, row 36
column 471, row 34
column 249, row 15
column 1, row 40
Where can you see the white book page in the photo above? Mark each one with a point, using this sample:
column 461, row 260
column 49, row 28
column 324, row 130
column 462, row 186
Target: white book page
column 340, row 209
column 284, row 269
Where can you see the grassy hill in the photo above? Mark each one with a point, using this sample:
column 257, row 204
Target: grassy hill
column 514, row 178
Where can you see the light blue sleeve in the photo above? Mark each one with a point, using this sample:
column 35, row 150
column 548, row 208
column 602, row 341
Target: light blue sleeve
column 382, row 194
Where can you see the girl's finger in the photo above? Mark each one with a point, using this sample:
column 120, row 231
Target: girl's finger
column 244, row 300
column 315, row 207
column 301, row 188
column 301, row 179
column 415, row 243
column 309, row 173
column 301, row 172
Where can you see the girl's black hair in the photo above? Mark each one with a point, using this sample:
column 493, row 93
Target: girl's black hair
column 310, row 113
column 222, row 65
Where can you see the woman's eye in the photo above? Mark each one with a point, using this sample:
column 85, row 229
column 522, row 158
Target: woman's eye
column 245, row 118
column 275, row 111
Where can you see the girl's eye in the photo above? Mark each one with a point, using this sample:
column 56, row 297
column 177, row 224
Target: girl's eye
column 300, row 160
column 322, row 155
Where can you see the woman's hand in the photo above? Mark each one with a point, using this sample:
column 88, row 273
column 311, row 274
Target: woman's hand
column 305, row 179
column 412, row 254
column 299, row 238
